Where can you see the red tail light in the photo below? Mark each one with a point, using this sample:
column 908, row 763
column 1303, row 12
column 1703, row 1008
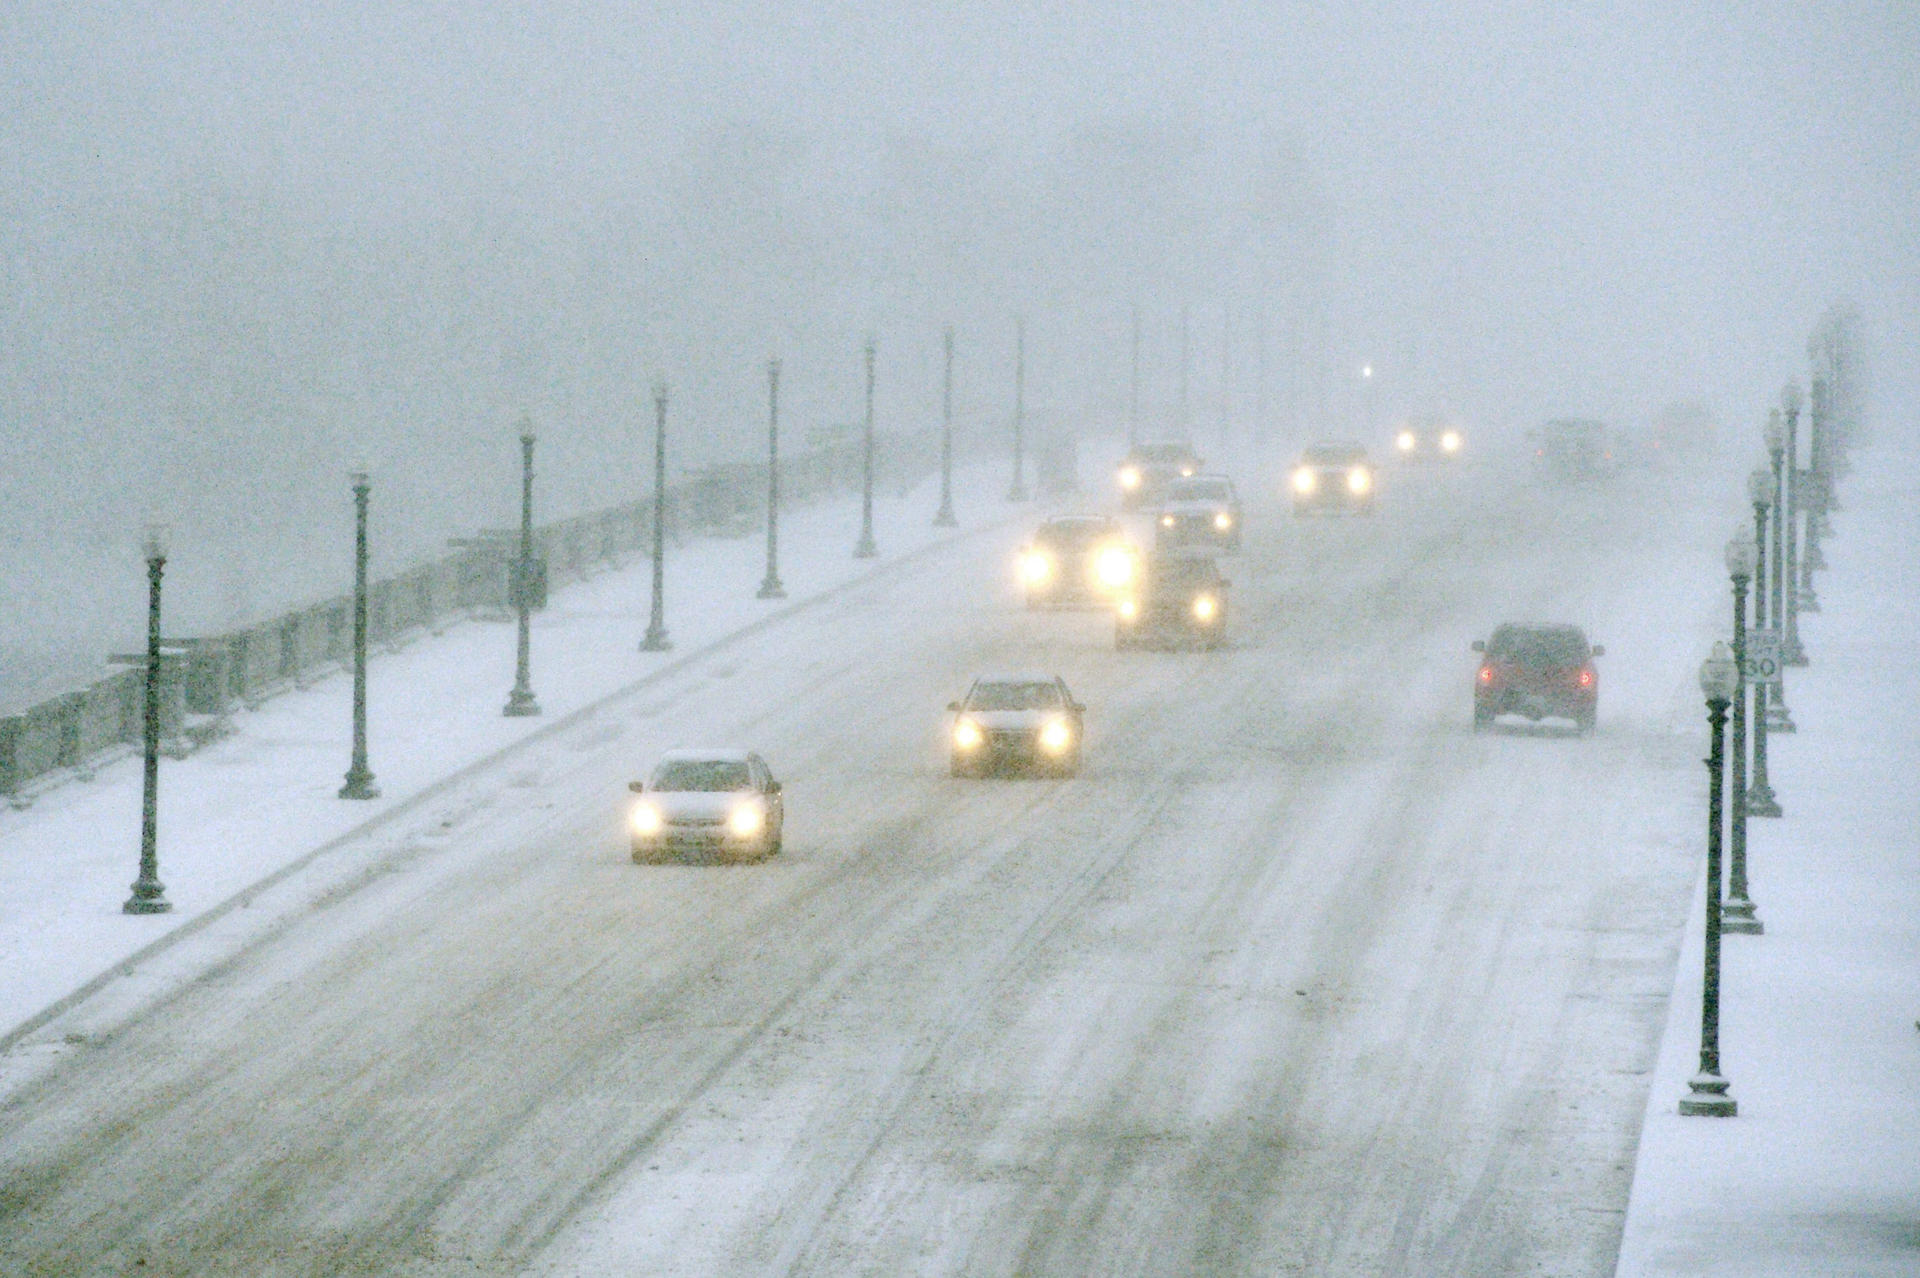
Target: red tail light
column 1486, row 674
column 1586, row 678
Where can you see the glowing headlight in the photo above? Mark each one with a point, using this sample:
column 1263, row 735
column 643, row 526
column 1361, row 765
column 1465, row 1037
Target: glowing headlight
column 747, row 819
column 1451, row 441
column 1205, row 607
column 1166, row 521
column 1036, row 568
column 1113, row 566
column 1186, row 472
column 1359, row 481
column 1305, row 481
column 1405, row 441
column 1128, row 610
column 645, row 820
column 967, row 735
column 1129, row 477
column 1223, row 521
column 1055, row 736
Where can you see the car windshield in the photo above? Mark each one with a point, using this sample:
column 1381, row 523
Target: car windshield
column 1014, row 696
column 1176, row 574
column 1333, row 456
column 1070, row 533
column 702, row 774
column 1200, row 490
column 1540, row 647
column 1163, row 454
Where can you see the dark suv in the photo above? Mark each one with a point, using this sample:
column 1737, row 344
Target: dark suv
column 1536, row 672
column 1182, row 601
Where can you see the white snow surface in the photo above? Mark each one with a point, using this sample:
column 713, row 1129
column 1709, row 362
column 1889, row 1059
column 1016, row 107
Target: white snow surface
column 1817, row 1174
column 265, row 798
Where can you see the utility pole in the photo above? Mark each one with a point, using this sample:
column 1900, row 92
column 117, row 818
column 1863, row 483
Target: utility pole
column 1018, row 492
column 522, row 583
column 865, row 548
column 944, row 518
column 656, row 638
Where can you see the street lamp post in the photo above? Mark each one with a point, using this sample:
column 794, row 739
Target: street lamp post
column 359, row 780
column 656, row 637
column 1760, row 798
column 521, row 702
column 1366, row 381
column 1018, row 491
column 770, row 587
column 1778, row 719
column 1791, row 501
column 1133, row 385
column 149, row 894
column 1707, row 1090
column 1739, row 914
column 865, row 547
column 1809, row 482
column 943, row 518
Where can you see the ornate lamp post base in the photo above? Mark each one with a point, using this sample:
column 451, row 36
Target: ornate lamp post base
column 149, row 897
column 866, row 549
column 1738, row 914
column 1761, row 803
column 945, row 518
column 1707, row 1098
column 1808, row 601
column 1778, row 720
column 656, row 640
column 520, row 704
column 359, row 785
column 771, row 589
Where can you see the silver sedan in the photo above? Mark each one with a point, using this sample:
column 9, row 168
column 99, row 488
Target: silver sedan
column 715, row 803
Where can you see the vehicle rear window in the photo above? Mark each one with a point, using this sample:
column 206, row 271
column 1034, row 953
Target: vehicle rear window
column 1014, row 696
column 702, row 774
column 1179, row 574
column 1541, row 647
column 1077, row 533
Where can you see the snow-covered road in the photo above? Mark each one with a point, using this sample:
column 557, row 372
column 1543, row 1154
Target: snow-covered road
column 1299, row 976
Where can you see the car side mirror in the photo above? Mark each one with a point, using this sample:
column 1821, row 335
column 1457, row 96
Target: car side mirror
column 773, row 787
column 953, row 706
column 1076, row 707
column 1479, row 645
column 1599, row 650
column 638, row 787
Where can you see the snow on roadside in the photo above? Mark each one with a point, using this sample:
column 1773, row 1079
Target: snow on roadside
column 1820, row 1017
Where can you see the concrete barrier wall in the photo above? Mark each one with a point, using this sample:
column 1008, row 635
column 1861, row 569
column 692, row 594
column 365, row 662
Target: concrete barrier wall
column 246, row 665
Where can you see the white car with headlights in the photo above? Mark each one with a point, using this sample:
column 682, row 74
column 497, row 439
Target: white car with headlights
column 715, row 803
column 1077, row 559
column 1332, row 478
column 1198, row 510
column 1016, row 723
column 1428, row 439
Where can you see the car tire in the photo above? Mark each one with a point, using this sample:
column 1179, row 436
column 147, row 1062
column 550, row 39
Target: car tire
column 648, row 856
column 959, row 769
column 1482, row 720
column 1585, row 724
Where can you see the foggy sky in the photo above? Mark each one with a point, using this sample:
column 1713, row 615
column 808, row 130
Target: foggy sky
column 246, row 244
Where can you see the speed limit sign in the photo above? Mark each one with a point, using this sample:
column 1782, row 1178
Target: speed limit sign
column 1763, row 657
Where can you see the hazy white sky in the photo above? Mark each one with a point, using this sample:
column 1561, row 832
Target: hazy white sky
column 265, row 219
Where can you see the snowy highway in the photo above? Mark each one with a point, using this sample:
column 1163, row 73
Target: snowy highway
column 1299, row 976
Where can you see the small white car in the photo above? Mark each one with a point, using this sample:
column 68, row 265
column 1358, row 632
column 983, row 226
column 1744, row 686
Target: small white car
column 1022, row 723
column 717, row 803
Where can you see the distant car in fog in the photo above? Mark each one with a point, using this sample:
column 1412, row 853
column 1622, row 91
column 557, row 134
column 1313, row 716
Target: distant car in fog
column 720, row 803
column 1428, row 439
column 1572, row 449
column 1077, row 559
column 1025, row 724
column 1147, row 468
column 1198, row 510
column 1332, row 478
column 1537, row 672
column 1181, row 602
